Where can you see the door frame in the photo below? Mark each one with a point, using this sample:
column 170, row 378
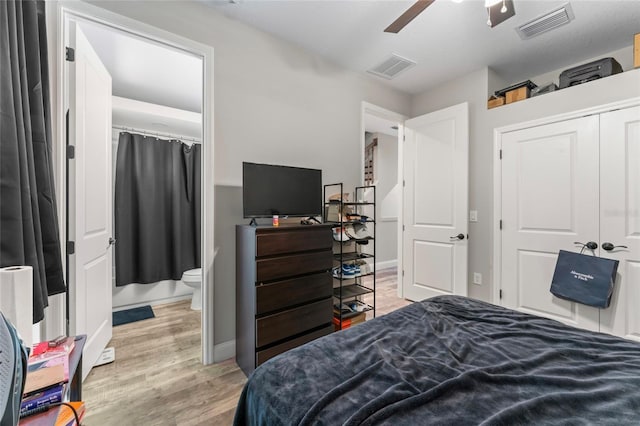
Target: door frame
column 371, row 109
column 58, row 16
column 497, row 175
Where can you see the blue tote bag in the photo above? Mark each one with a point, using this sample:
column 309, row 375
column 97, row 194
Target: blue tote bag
column 584, row 279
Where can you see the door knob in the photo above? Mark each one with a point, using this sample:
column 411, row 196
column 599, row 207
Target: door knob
column 112, row 241
column 608, row 246
column 457, row 237
column 591, row 245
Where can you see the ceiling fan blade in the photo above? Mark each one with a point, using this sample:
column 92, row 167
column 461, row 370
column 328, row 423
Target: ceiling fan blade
column 408, row 16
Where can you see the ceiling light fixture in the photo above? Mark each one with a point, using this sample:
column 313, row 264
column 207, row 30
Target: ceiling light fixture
column 498, row 12
column 489, row 3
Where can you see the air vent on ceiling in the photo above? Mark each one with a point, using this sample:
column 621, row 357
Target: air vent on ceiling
column 548, row 21
column 391, row 67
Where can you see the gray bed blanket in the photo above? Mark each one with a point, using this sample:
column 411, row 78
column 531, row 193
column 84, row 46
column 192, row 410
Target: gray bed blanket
column 449, row 361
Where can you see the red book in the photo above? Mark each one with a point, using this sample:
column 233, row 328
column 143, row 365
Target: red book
column 42, row 348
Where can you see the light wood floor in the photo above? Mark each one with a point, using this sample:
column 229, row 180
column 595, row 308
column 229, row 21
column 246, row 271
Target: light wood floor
column 158, row 379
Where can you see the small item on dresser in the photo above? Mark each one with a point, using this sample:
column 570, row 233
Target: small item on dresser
column 276, row 220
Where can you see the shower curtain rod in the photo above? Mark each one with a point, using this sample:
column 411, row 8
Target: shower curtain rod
column 158, row 134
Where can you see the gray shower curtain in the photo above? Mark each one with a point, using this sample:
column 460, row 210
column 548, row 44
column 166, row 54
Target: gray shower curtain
column 29, row 233
column 157, row 209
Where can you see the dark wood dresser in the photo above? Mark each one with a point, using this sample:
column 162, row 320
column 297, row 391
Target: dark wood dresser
column 283, row 289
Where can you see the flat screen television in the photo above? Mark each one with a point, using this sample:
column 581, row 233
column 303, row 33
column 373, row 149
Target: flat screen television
column 269, row 190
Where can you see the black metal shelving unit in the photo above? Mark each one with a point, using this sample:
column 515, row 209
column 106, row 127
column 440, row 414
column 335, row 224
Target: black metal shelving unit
column 350, row 288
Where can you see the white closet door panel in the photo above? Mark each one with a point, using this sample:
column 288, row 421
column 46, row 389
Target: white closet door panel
column 537, row 267
column 548, row 202
column 620, row 216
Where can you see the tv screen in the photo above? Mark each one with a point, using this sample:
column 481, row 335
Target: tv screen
column 269, row 190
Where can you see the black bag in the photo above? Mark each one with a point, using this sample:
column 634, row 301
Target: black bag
column 584, row 279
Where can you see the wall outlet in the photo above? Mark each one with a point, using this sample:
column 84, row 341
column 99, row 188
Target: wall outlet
column 477, row 278
column 473, row 216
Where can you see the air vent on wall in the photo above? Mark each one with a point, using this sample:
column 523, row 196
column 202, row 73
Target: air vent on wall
column 548, row 21
column 391, row 67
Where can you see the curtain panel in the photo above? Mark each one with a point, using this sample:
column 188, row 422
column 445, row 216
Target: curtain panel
column 29, row 231
column 157, row 209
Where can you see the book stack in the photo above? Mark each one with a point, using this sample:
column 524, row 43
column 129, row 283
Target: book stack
column 47, row 376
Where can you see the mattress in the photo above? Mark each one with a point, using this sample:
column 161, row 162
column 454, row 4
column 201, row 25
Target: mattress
column 449, row 360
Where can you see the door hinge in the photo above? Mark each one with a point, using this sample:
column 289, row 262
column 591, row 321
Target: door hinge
column 403, row 272
column 71, row 247
column 404, row 138
column 501, row 154
column 404, row 183
column 500, row 293
column 70, row 54
column 71, row 152
column 500, row 223
column 402, row 227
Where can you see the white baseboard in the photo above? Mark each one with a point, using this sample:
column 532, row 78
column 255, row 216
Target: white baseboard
column 386, row 264
column 224, row 350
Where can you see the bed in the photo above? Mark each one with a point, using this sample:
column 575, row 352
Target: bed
column 449, row 360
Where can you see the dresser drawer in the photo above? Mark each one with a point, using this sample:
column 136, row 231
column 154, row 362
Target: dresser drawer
column 288, row 323
column 282, row 294
column 275, row 243
column 262, row 356
column 296, row 264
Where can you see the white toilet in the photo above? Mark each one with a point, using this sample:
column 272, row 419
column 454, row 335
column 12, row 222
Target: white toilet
column 193, row 279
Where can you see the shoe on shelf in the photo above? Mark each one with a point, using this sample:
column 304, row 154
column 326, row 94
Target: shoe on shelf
column 346, row 271
column 352, row 217
column 339, row 197
column 360, row 232
column 339, row 234
column 341, row 272
column 348, row 229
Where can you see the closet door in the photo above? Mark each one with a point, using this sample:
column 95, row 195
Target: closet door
column 549, row 201
column 620, row 217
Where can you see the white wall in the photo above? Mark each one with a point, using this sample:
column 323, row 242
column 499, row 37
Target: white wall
column 274, row 103
column 475, row 88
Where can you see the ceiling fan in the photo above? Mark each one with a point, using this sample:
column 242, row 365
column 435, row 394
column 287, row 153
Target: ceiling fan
column 498, row 10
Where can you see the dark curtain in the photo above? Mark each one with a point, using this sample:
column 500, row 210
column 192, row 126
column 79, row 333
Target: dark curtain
column 28, row 217
column 157, row 209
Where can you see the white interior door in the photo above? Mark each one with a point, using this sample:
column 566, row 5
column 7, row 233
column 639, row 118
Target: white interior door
column 549, row 201
column 90, row 199
column 620, row 217
column 436, row 164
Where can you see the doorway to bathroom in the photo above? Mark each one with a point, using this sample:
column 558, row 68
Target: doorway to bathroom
column 122, row 88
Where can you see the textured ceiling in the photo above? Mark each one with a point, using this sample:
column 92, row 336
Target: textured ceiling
column 447, row 40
